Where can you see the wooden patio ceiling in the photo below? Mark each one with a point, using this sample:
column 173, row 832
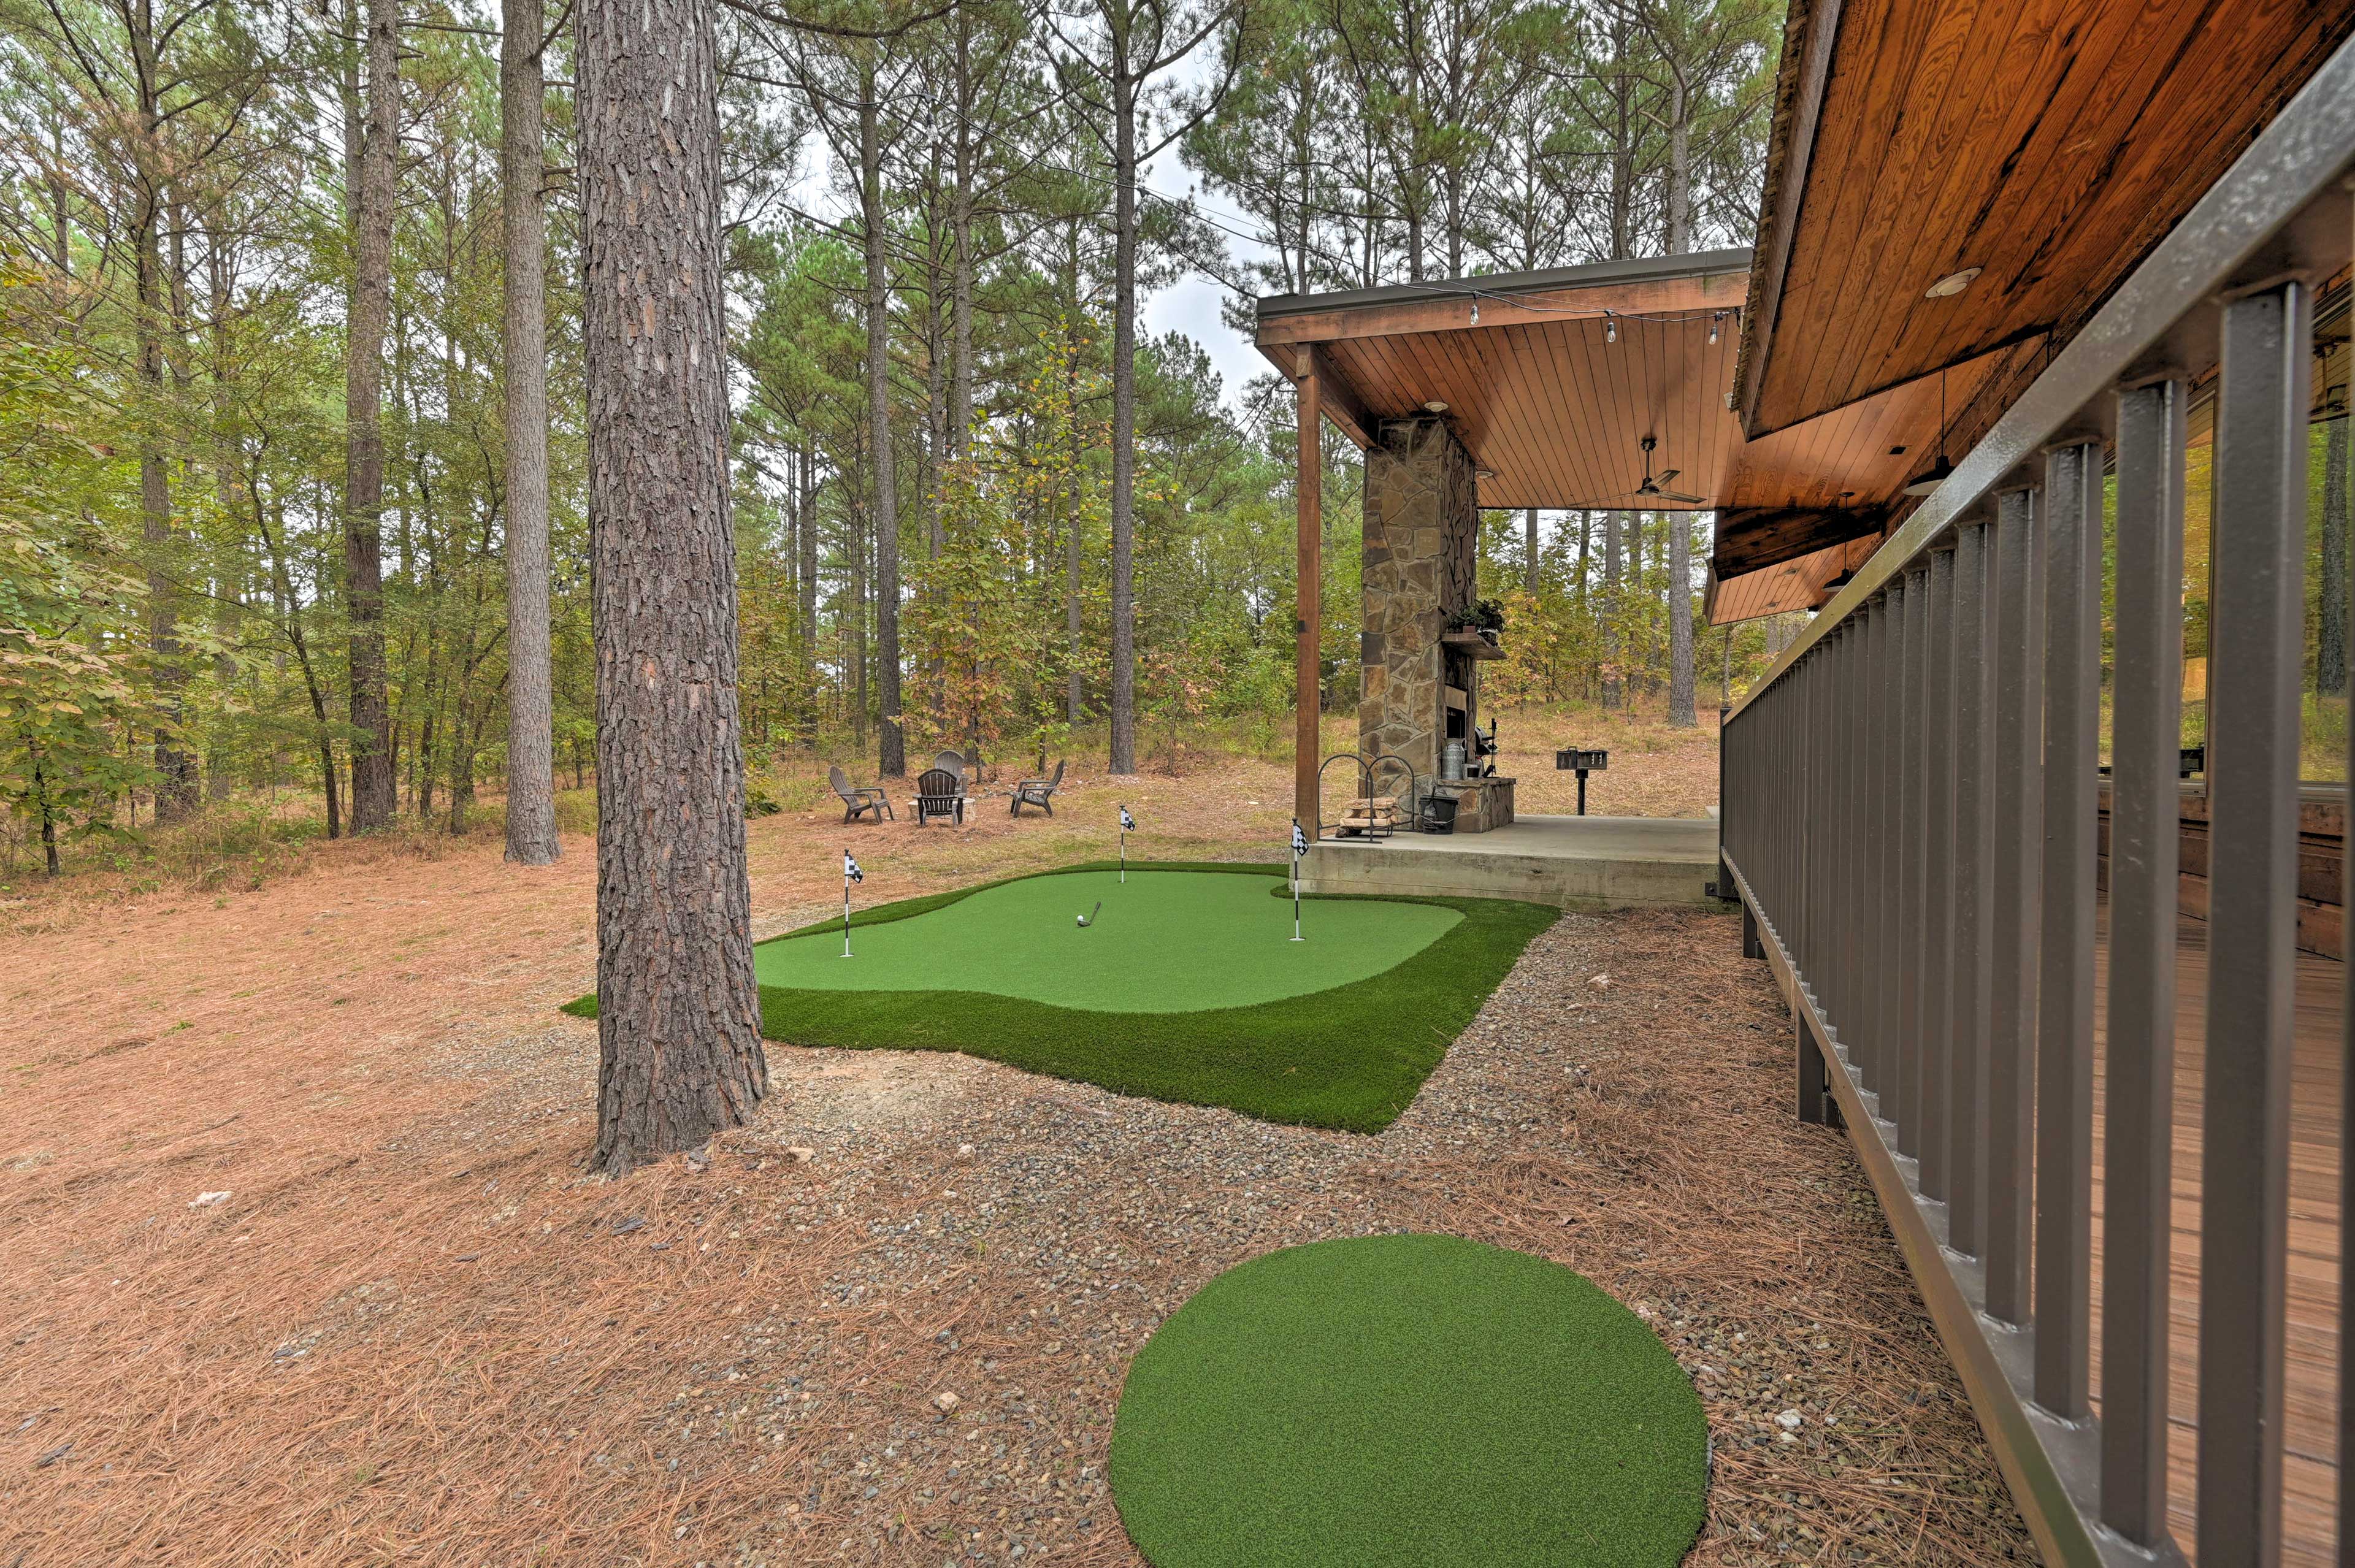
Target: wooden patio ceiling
column 1552, row 379
column 2048, row 145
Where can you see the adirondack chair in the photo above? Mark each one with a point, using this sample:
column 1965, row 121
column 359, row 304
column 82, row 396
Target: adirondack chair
column 939, row 792
column 1036, row 791
column 857, row 800
column 953, row 762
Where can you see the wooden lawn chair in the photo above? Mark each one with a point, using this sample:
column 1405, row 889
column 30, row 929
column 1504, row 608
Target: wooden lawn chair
column 939, row 792
column 857, row 800
column 1036, row 791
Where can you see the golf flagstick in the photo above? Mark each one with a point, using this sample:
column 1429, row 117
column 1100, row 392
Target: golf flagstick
column 850, row 873
column 1127, row 826
column 1299, row 847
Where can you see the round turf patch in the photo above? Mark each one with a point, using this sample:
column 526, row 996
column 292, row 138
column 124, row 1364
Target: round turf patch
column 1407, row 1399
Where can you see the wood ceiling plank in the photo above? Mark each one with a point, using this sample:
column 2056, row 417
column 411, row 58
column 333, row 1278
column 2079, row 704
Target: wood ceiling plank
column 2096, row 129
column 1915, row 105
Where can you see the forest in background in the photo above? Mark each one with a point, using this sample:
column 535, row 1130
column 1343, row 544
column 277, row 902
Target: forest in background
column 286, row 500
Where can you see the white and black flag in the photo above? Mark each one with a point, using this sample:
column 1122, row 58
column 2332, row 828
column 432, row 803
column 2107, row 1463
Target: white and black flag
column 1299, row 840
column 850, row 869
column 1127, row 823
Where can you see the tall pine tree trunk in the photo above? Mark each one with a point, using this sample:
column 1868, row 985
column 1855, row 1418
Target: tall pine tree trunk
column 678, row 1012
column 892, row 750
column 1122, row 758
column 1611, row 629
column 1681, row 621
column 372, row 782
column 531, row 713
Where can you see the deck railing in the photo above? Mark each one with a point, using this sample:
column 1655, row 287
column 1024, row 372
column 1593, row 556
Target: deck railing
column 1911, row 821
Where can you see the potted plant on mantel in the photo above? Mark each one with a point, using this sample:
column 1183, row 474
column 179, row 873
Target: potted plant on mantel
column 1476, row 628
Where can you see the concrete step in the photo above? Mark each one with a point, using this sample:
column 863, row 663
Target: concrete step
column 1573, row 862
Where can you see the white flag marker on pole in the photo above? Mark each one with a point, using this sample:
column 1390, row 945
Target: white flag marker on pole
column 1127, row 826
column 850, row 873
column 1299, row 848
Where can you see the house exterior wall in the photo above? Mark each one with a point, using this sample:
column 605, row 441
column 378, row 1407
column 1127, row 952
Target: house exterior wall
column 1421, row 540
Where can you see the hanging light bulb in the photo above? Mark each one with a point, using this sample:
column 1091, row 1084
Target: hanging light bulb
column 1610, row 328
column 1476, row 313
column 1713, row 327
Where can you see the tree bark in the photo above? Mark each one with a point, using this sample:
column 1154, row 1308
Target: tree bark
column 2330, row 660
column 1611, row 683
column 372, row 803
column 1529, row 547
column 1123, row 759
column 893, row 746
column 1680, row 622
column 531, row 706
column 678, row 1011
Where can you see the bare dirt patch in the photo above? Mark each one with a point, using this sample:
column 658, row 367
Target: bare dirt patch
column 412, row 1330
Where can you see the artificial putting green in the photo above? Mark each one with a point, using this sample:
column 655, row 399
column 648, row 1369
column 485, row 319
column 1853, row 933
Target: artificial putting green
column 1407, row 1399
column 1351, row 1055
column 1163, row 941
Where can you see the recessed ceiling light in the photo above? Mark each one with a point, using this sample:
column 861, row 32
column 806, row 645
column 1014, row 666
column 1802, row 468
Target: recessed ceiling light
column 1484, row 473
column 1435, row 406
column 1896, row 451
column 1950, row 285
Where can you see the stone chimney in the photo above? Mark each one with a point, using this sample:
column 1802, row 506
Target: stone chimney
column 1421, row 542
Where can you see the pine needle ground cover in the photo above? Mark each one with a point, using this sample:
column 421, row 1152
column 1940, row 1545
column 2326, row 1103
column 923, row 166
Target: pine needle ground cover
column 1185, row 986
column 1407, row 1399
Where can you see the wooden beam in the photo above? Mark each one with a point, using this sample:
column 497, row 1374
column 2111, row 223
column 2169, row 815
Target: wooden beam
column 1452, row 312
column 1307, row 683
column 1821, row 19
column 1753, row 538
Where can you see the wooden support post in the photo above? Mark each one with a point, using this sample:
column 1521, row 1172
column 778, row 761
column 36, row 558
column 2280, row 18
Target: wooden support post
column 1309, row 582
column 1815, row 1096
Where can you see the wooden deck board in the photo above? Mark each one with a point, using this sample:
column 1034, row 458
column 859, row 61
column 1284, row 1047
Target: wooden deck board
column 2311, row 1403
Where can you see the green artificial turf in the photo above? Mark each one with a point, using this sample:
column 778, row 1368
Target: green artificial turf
column 1162, row 942
column 1350, row 1056
column 1407, row 1399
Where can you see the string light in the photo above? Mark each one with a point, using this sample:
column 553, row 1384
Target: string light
column 1610, row 328
column 1712, row 325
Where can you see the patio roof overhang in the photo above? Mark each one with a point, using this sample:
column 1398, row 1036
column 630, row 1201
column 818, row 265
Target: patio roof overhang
column 1553, row 381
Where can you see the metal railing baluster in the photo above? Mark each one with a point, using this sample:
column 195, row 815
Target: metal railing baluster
column 1966, row 1141
column 1913, row 840
column 2257, row 621
column 2017, row 723
column 2064, row 1056
column 1938, row 872
column 2139, row 1106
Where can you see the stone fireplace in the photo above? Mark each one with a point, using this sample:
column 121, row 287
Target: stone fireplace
column 1421, row 542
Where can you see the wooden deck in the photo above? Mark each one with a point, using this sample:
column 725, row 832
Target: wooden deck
column 2311, row 1468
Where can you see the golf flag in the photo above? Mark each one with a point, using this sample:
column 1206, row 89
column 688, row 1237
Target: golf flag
column 1127, row 823
column 850, row 873
column 1299, row 848
column 1127, row 826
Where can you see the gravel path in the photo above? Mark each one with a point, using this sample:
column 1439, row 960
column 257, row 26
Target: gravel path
column 999, row 1244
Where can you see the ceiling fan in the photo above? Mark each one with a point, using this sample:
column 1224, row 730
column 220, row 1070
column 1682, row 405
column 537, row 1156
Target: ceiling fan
column 1650, row 489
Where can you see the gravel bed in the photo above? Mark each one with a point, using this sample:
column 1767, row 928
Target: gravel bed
column 965, row 1257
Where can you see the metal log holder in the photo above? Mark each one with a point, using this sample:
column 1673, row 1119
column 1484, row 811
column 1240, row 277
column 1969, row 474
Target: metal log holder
column 1583, row 762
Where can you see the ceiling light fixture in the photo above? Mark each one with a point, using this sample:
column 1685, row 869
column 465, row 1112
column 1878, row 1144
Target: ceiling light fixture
column 1435, row 406
column 1950, row 285
column 1938, row 472
column 1484, row 473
